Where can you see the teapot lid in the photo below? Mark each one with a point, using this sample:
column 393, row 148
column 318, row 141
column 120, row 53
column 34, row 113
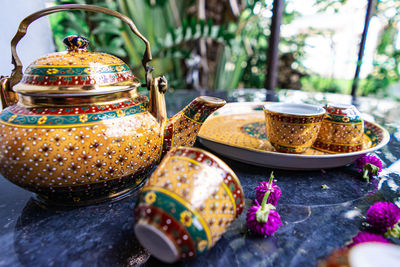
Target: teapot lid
column 76, row 72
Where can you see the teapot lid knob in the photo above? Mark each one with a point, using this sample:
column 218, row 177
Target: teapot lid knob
column 76, row 42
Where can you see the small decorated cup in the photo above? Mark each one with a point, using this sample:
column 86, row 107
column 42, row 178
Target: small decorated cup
column 292, row 128
column 187, row 204
column 341, row 131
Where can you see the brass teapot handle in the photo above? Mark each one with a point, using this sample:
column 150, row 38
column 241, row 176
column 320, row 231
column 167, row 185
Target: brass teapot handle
column 16, row 74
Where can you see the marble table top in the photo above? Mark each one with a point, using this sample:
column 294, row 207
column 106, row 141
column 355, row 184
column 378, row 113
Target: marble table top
column 315, row 220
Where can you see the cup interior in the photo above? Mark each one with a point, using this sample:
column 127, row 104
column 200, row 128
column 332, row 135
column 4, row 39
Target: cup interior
column 340, row 105
column 156, row 242
column 295, row 109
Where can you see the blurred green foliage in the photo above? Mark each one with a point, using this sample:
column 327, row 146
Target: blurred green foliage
column 387, row 57
column 241, row 61
column 167, row 34
column 173, row 33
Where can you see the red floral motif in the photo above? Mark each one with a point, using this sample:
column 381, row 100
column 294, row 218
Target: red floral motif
column 103, row 78
column 78, row 110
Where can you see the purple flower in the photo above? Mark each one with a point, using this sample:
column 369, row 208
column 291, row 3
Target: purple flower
column 264, row 187
column 369, row 166
column 384, row 218
column 263, row 219
column 363, row 237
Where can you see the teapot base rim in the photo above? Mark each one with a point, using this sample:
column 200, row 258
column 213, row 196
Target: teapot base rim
column 59, row 202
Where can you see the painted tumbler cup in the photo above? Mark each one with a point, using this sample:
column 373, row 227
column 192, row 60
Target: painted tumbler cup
column 292, row 128
column 187, row 204
column 342, row 130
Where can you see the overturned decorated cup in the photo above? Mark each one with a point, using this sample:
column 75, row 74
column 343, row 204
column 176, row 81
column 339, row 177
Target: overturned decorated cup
column 187, row 204
column 341, row 130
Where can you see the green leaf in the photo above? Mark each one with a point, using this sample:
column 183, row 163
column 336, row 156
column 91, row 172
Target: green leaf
column 172, row 32
column 104, row 28
column 192, row 24
column 209, row 26
column 221, row 31
column 185, row 24
column 202, row 26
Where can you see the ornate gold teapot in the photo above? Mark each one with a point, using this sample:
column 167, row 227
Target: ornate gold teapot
column 75, row 130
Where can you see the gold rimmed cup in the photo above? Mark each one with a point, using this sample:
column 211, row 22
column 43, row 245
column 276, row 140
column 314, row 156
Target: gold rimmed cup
column 292, row 128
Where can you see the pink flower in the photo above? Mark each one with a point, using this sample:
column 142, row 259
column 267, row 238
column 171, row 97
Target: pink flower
column 363, row 237
column 369, row 166
column 384, row 218
column 263, row 219
column 264, row 187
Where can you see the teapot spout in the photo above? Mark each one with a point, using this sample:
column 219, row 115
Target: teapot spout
column 182, row 128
